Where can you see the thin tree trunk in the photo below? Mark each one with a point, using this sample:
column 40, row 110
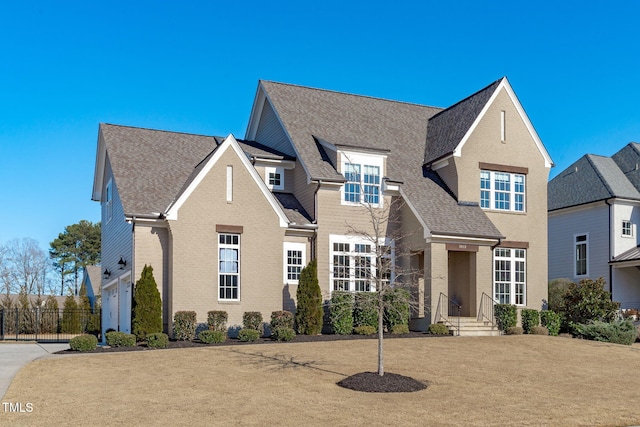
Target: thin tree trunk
column 380, row 334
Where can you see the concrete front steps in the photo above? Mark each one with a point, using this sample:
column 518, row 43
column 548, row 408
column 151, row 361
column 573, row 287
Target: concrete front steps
column 471, row 327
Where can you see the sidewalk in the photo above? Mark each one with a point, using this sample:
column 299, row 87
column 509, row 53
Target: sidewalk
column 13, row 356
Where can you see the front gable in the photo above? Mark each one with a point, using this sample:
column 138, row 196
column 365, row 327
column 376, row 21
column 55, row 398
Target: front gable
column 231, row 188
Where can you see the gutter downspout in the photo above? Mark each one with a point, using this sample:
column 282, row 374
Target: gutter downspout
column 610, row 254
column 314, row 239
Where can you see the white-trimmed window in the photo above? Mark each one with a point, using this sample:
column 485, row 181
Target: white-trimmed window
column 581, row 242
column 108, row 201
column 363, row 174
column 294, row 261
column 510, row 276
column 627, row 228
column 274, row 177
column 354, row 263
column 229, row 267
column 502, row 191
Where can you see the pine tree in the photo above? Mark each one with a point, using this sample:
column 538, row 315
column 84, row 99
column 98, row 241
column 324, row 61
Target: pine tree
column 147, row 310
column 309, row 306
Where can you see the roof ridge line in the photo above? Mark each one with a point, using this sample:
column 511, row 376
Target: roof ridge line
column 163, row 130
column 354, row 94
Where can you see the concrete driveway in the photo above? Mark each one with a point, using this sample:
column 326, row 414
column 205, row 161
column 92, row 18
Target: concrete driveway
column 14, row 356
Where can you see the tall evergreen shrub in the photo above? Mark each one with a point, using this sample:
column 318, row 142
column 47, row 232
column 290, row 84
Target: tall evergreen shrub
column 341, row 312
column 309, row 301
column 147, row 309
column 70, row 316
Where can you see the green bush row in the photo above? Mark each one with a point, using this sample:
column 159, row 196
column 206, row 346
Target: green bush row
column 348, row 311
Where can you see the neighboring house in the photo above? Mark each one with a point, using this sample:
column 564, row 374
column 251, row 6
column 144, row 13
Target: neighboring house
column 227, row 223
column 594, row 212
column 92, row 281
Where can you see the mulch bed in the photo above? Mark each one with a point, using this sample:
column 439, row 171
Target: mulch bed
column 371, row 382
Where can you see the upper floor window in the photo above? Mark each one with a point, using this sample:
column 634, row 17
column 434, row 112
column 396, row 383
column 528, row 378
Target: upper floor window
column 502, row 191
column 364, row 177
column 274, row 178
column 108, row 201
column 229, row 266
column 627, row 228
column 582, row 255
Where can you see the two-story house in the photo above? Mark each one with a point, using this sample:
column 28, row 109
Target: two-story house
column 594, row 212
column 227, row 224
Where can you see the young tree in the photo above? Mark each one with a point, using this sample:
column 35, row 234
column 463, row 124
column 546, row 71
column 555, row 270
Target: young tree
column 74, row 249
column 24, row 268
column 309, row 301
column 147, row 309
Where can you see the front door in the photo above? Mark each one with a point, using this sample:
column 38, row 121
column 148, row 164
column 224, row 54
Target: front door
column 462, row 283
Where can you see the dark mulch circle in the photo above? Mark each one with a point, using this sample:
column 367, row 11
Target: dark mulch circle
column 371, row 382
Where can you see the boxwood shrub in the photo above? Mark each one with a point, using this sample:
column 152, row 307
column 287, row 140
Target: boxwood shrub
column 438, row 329
column 551, row 320
column 217, row 320
column 365, row 330
column 83, row 343
column 506, row 316
column 539, row 330
column 212, row 337
column 253, row 320
column 341, row 312
column 622, row 332
column 248, row 335
column 530, row 318
column 281, row 319
column 283, row 333
column 157, row 340
column 365, row 310
column 184, row 325
column 120, row 339
column 400, row 329
column 514, row 330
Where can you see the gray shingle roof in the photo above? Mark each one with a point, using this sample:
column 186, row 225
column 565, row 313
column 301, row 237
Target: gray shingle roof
column 151, row 168
column 360, row 121
column 592, row 178
column 628, row 160
column 293, row 209
column 447, row 128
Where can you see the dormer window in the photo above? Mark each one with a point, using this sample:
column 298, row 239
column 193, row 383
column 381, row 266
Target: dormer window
column 274, row 178
column 363, row 175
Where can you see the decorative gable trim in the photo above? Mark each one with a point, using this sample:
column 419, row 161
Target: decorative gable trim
column 504, row 84
column 98, row 174
column 229, row 143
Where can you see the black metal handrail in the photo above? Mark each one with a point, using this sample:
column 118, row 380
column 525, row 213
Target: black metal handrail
column 486, row 310
column 453, row 309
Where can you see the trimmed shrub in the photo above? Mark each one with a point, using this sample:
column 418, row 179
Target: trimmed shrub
column 551, row 320
column 217, row 320
column 438, row 329
column 212, row 336
column 623, row 332
column 147, row 305
column 281, row 319
column 341, row 312
column 506, row 316
column 283, row 333
column 184, row 325
column 539, row 330
column 396, row 308
column 309, row 312
column 557, row 290
column 400, row 329
column 83, row 343
column 365, row 310
column 514, row 330
column 589, row 301
column 157, row 340
column 248, row 335
column 530, row 319
column 253, row 320
column 120, row 339
column 364, row 330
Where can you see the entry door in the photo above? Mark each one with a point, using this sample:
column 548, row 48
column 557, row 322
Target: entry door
column 462, row 281
column 125, row 304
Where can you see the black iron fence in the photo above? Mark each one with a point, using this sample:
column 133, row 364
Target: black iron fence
column 46, row 325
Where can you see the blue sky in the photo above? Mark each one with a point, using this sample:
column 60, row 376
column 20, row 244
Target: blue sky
column 194, row 66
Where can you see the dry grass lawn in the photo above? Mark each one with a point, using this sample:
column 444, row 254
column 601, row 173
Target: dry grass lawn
column 509, row 380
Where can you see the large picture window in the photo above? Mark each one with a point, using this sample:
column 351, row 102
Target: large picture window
column 509, row 274
column 582, row 255
column 229, row 267
column 502, row 191
column 354, row 264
